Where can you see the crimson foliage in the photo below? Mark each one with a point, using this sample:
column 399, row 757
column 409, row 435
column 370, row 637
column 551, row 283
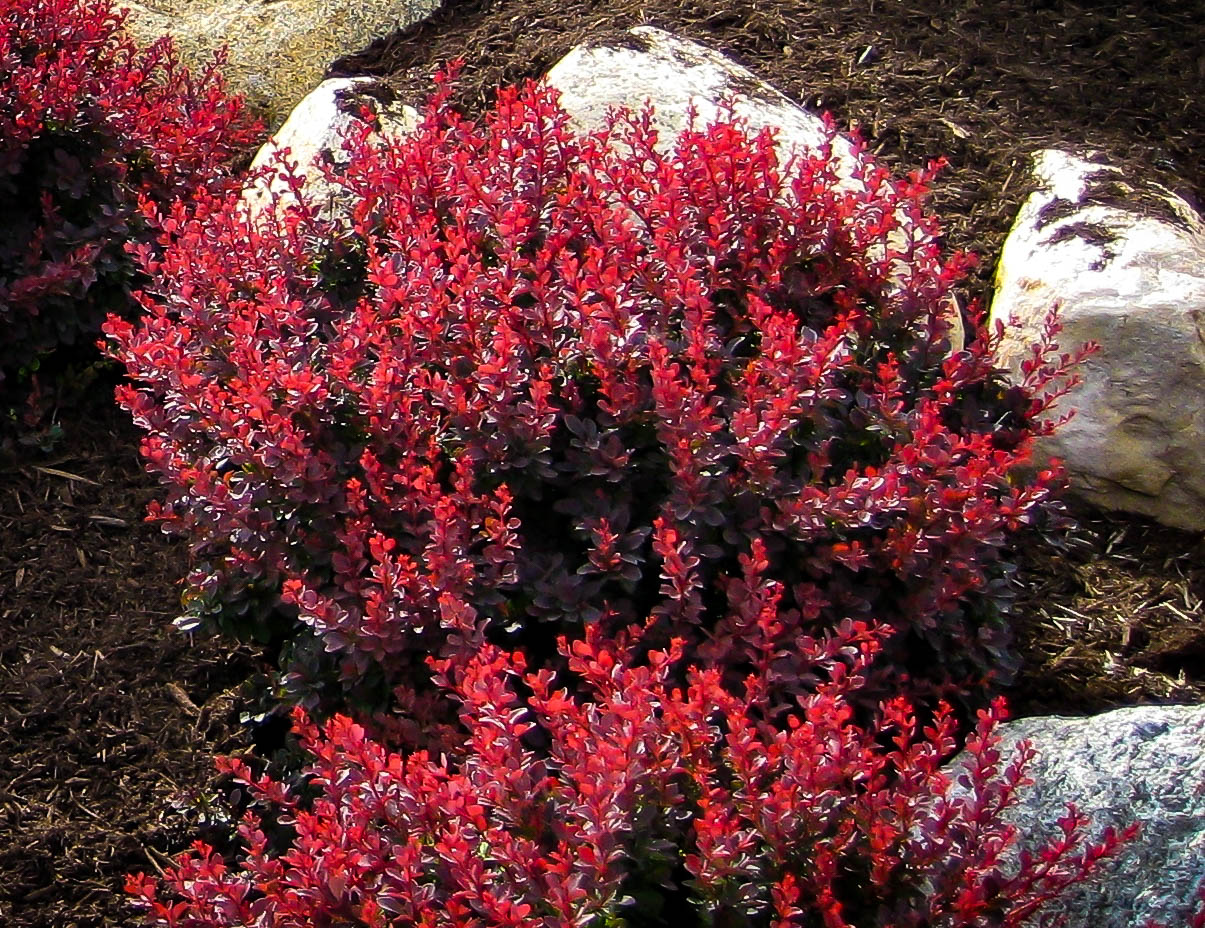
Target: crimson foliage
column 648, row 804
column 547, row 381
column 88, row 124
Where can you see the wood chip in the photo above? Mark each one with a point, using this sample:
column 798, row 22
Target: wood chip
column 66, row 475
column 108, row 520
column 182, row 699
column 959, row 132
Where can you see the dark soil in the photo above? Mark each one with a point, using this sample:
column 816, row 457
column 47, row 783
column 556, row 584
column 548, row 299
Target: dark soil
column 109, row 719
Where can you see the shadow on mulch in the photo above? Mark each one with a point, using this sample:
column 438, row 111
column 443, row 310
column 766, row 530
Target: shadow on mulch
column 109, row 720
column 1113, row 617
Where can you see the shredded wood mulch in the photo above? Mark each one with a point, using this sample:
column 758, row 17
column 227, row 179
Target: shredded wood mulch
column 1113, row 618
column 109, row 719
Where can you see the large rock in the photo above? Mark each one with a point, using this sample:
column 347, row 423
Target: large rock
column 1144, row 764
column 312, row 140
column 279, row 49
column 675, row 74
column 1126, row 263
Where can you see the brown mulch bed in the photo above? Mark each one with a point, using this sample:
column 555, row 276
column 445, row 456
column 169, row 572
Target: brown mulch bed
column 108, row 719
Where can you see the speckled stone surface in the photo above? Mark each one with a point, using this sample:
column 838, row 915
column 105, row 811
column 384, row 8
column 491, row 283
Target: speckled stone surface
column 279, row 49
column 1144, row 764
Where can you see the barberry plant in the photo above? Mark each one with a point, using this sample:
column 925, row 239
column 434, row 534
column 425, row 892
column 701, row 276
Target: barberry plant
column 548, row 380
column 89, row 125
column 623, row 800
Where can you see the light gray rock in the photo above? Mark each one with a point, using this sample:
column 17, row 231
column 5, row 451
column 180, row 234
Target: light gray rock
column 675, row 74
column 312, row 137
column 1126, row 263
column 1144, row 764
column 279, row 49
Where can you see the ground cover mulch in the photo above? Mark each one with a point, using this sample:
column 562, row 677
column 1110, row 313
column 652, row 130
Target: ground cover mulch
column 109, row 719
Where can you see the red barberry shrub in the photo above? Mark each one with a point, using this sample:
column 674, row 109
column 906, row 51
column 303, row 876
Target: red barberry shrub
column 641, row 804
column 546, row 379
column 88, row 125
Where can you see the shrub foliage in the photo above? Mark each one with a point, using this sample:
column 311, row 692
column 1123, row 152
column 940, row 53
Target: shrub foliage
column 550, row 380
column 647, row 805
column 88, row 125
column 623, row 448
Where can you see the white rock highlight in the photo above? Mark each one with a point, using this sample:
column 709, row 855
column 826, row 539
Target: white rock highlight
column 1126, row 264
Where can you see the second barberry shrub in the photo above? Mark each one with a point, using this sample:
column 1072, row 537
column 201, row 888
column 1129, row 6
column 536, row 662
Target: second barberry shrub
column 538, row 381
column 89, row 124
